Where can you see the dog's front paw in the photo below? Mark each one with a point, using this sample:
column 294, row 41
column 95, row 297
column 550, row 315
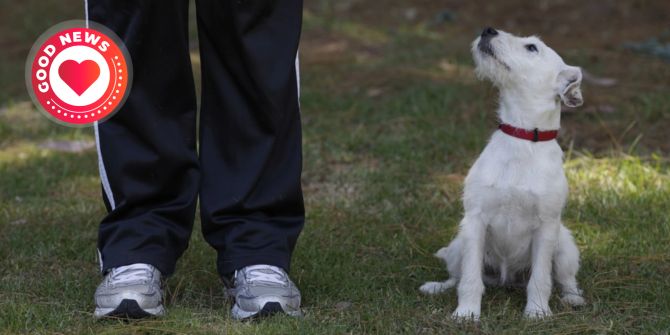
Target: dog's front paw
column 536, row 312
column 573, row 300
column 462, row 314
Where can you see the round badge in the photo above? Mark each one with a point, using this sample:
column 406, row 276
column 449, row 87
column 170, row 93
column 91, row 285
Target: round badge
column 78, row 75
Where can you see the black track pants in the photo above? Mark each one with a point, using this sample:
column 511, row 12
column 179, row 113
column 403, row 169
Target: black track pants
column 247, row 169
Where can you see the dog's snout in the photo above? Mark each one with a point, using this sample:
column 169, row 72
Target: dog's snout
column 489, row 32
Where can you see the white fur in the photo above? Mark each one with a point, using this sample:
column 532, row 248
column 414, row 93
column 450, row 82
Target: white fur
column 512, row 233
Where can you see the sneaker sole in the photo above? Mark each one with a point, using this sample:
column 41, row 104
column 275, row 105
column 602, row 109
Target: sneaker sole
column 128, row 309
column 269, row 309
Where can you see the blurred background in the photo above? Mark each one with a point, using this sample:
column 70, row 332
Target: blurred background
column 393, row 117
column 624, row 46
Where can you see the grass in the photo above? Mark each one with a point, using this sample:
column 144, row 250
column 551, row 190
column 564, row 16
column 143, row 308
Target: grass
column 392, row 120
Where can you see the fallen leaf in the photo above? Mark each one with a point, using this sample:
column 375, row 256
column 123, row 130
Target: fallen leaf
column 410, row 14
column 598, row 81
column 342, row 305
column 67, row 146
column 374, row 92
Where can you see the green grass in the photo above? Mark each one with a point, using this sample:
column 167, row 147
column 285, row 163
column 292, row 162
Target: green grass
column 389, row 133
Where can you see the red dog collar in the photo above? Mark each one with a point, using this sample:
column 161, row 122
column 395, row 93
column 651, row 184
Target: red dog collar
column 531, row 135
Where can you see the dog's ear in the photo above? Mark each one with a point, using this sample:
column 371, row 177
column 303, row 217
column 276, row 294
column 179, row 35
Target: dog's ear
column 569, row 86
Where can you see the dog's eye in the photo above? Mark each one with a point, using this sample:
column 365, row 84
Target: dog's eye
column 531, row 47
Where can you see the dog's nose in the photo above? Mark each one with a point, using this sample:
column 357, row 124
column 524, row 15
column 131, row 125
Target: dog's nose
column 489, row 32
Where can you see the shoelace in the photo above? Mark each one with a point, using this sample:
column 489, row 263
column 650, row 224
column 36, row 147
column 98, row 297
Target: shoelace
column 131, row 273
column 265, row 273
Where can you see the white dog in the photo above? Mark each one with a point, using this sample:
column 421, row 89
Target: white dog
column 512, row 233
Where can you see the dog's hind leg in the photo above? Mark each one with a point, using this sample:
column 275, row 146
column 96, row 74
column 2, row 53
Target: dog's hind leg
column 566, row 264
column 451, row 256
column 435, row 287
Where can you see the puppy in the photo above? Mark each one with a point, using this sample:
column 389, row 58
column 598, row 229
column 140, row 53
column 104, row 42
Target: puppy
column 511, row 233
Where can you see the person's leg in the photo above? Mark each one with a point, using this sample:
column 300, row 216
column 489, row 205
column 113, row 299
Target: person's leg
column 147, row 151
column 250, row 138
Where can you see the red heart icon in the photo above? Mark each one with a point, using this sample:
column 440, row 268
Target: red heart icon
column 79, row 76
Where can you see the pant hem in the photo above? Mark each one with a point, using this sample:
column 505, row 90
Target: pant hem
column 165, row 267
column 226, row 266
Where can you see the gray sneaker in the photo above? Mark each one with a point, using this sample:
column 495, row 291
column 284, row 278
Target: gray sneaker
column 262, row 290
column 131, row 291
